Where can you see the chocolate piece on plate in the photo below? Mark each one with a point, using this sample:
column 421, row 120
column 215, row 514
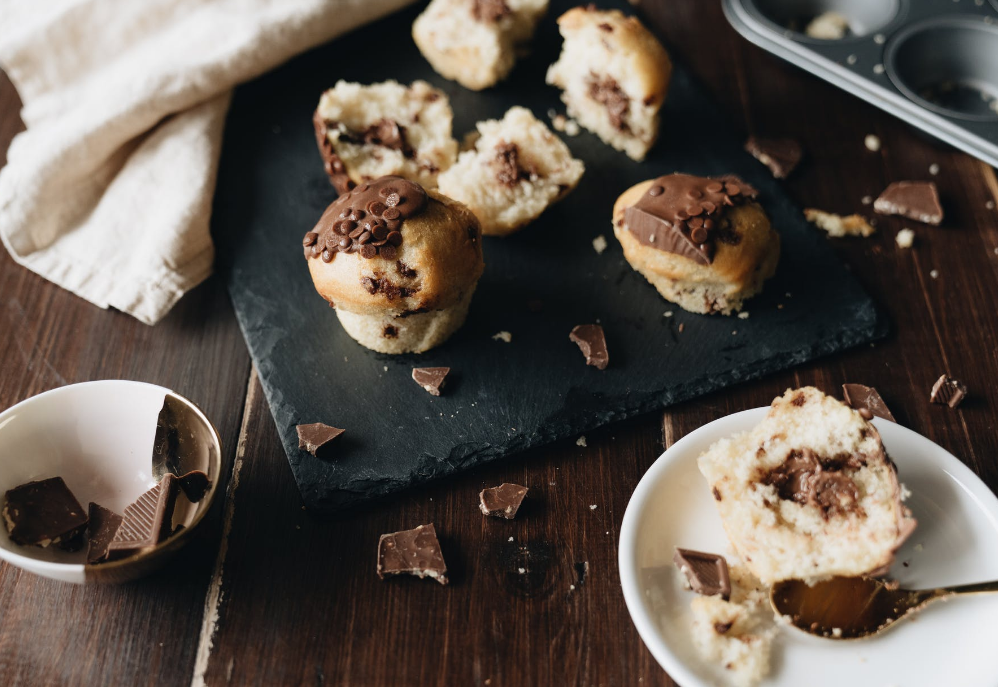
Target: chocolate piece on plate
column 195, row 485
column 43, row 513
column 316, row 437
column 431, row 378
column 592, row 343
column 104, row 523
column 867, row 401
column 781, row 155
column 948, row 391
column 148, row 521
column 707, row 573
column 412, row 552
column 917, row 200
column 502, row 501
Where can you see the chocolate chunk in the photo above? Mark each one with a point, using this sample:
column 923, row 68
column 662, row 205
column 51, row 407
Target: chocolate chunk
column 949, row 391
column 867, row 401
column 506, row 163
column 147, row 522
column 195, row 485
column 608, row 93
column 489, row 11
column 104, row 523
column 316, row 438
column 808, row 480
column 917, row 200
column 43, row 513
column 430, row 378
column 502, row 501
column 781, row 155
column 331, row 162
column 707, row 573
column 412, row 552
column 592, row 343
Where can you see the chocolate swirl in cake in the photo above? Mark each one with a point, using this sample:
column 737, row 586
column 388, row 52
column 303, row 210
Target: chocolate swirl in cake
column 367, row 220
column 684, row 214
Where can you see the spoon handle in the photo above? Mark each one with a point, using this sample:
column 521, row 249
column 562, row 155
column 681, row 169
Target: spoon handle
column 977, row 588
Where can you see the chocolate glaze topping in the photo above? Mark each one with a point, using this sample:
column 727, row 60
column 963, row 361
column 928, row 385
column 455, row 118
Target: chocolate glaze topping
column 684, row 214
column 809, row 480
column 367, row 220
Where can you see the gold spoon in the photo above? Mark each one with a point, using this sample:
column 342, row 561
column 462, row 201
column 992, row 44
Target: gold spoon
column 855, row 607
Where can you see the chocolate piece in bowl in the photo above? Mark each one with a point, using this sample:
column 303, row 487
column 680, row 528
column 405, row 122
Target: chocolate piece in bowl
column 781, row 155
column 195, row 484
column 592, row 343
column 948, row 391
column 317, row 437
column 146, row 522
column 502, row 501
column 412, row 552
column 867, row 401
column 917, row 200
column 104, row 524
column 432, row 379
column 45, row 513
column 706, row 573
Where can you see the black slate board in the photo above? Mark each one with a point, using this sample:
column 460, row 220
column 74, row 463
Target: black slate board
column 502, row 397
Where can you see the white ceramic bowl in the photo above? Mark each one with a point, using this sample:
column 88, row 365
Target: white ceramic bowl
column 99, row 437
column 956, row 542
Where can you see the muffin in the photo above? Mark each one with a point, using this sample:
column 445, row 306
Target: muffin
column 399, row 264
column 614, row 75
column 809, row 493
column 476, row 42
column 366, row 132
column 516, row 168
column 705, row 244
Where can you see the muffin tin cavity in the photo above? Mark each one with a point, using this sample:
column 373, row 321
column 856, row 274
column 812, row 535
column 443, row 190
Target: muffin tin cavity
column 864, row 17
column 949, row 66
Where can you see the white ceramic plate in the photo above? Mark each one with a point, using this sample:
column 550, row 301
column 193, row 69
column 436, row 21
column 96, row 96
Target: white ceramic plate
column 950, row 643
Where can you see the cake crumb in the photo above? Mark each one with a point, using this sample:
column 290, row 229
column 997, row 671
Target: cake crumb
column 581, row 441
column 878, row 69
column 743, row 315
column 990, row 205
column 838, row 226
column 593, row 507
column 905, row 238
column 837, row 632
column 866, row 200
column 572, row 128
column 599, row 244
column 502, row 336
column 521, row 570
column 828, row 26
column 934, row 274
column 510, row 539
column 682, row 326
column 668, row 313
column 872, row 143
column 933, row 169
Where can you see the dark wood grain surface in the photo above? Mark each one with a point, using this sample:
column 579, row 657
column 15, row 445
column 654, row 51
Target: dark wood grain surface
column 268, row 595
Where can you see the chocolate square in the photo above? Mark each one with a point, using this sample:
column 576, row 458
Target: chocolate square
column 866, row 401
column 148, row 521
column 502, row 501
column 45, row 513
column 707, row 573
column 412, row 552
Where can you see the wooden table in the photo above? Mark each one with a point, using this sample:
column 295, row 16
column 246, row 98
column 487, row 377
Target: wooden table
column 268, row 595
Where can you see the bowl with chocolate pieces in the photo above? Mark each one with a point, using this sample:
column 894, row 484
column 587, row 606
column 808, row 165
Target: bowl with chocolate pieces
column 102, row 482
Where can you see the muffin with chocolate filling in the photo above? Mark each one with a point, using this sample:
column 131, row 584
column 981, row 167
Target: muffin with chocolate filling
column 614, row 75
column 516, row 169
column 366, row 132
column 809, row 493
column 398, row 263
column 705, row 244
column 476, row 42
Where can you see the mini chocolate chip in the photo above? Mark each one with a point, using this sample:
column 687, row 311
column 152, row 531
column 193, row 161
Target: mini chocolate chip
column 394, row 238
column 316, row 249
column 327, row 256
column 344, row 242
column 345, row 227
column 656, row 191
column 709, row 207
column 708, row 224
column 695, row 222
column 330, row 241
column 682, row 214
column 695, row 193
column 391, row 213
column 386, row 191
column 388, row 251
column 380, row 233
column 363, row 188
column 699, row 235
column 337, row 165
column 368, row 251
column 379, row 243
column 715, row 187
column 345, row 213
column 393, row 224
column 356, row 232
column 364, row 238
column 732, row 189
column 393, row 199
column 376, row 207
column 694, row 210
column 310, row 238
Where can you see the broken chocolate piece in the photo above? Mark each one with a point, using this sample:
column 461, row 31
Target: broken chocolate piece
column 412, row 552
column 43, row 513
column 781, row 155
column 502, row 501
column 917, row 200
column 806, row 479
column 316, row 438
column 430, row 378
column 195, row 485
column 867, row 401
column 949, row 391
column 592, row 343
column 104, row 523
column 147, row 522
column 707, row 573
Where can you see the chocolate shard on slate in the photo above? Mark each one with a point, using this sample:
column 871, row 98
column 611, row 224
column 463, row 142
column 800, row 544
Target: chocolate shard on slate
column 781, row 155
column 866, row 401
column 316, row 438
column 592, row 343
column 104, row 524
column 949, row 391
column 195, row 485
column 412, row 552
column 45, row 513
column 917, row 200
column 431, row 378
column 502, row 501
column 707, row 573
column 148, row 521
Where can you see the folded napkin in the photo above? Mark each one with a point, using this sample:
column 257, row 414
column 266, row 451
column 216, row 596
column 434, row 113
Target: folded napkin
column 108, row 192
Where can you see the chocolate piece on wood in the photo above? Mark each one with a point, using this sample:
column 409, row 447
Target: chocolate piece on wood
column 104, row 523
column 781, row 155
column 412, row 552
column 502, row 501
column 147, row 522
column 948, row 391
column 707, row 573
column 431, row 378
column 866, row 401
column 316, row 438
column 917, row 200
column 44, row 513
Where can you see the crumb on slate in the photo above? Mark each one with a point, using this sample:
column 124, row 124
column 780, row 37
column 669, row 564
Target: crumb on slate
column 599, row 244
column 581, row 441
column 502, row 336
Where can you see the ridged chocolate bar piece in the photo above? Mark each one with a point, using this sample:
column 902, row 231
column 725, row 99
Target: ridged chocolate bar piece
column 104, row 524
column 148, row 521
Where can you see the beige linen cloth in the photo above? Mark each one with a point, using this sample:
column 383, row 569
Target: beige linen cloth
column 108, row 193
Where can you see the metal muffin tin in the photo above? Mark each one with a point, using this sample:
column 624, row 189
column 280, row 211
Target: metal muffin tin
column 933, row 63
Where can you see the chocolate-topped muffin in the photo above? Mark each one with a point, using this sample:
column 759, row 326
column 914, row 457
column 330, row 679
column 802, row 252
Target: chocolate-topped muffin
column 704, row 243
column 398, row 263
